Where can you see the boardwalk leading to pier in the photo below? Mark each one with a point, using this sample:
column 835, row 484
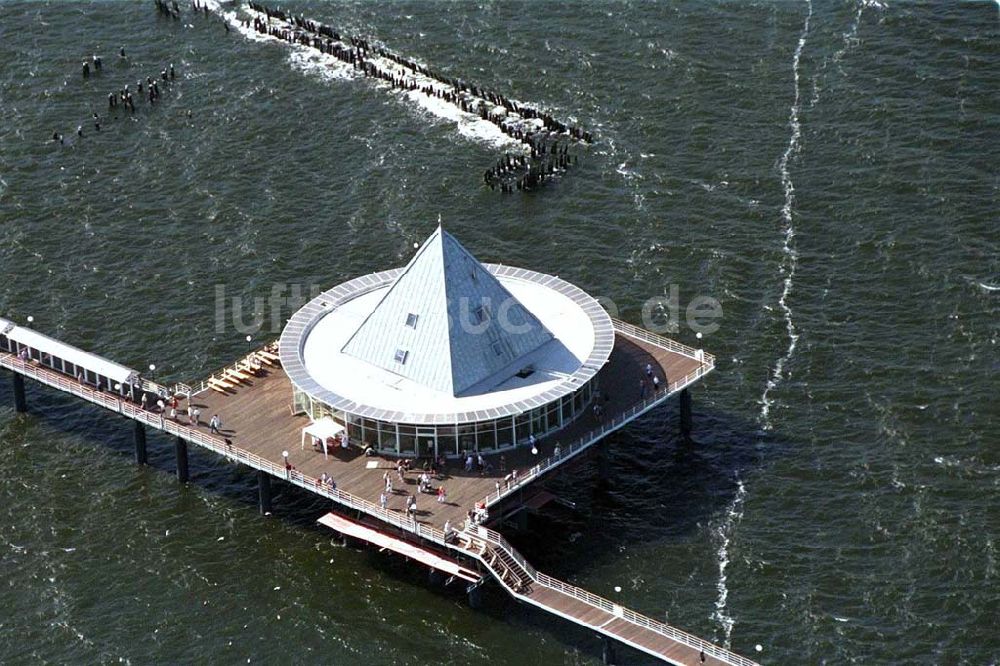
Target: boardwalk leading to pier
column 508, row 566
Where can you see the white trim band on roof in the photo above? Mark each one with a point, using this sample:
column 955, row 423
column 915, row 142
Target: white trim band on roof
column 301, row 323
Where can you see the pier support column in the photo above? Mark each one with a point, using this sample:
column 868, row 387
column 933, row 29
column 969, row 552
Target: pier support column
column 685, row 401
column 602, row 460
column 20, row 404
column 475, row 595
column 139, row 435
column 181, row 449
column 264, row 492
column 608, row 651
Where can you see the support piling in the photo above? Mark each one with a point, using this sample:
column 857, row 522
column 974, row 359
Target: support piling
column 685, row 404
column 20, row 403
column 139, row 435
column 608, row 651
column 475, row 596
column 181, row 449
column 264, row 492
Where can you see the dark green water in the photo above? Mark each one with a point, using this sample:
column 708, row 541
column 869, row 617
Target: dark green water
column 829, row 173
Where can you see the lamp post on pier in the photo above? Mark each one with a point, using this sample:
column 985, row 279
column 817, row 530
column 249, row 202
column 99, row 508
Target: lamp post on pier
column 249, row 340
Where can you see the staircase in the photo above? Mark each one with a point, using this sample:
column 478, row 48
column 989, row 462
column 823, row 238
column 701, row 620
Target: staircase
column 589, row 610
column 507, row 570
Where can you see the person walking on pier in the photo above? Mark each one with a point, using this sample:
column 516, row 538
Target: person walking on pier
column 214, row 424
column 448, row 536
column 442, row 495
column 383, row 501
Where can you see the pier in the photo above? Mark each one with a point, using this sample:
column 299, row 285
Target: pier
column 259, row 427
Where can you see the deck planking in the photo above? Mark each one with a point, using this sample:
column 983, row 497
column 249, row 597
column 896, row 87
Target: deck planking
column 257, row 416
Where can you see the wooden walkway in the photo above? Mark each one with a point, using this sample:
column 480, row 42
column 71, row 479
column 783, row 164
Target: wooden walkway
column 258, row 426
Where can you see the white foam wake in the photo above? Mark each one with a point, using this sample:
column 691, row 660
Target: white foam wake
column 328, row 67
column 724, row 531
column 790, row 260
column 851, row 36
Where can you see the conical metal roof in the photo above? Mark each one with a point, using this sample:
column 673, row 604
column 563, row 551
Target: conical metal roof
column 447, row 323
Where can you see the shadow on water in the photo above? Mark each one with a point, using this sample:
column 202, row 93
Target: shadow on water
column 658, row 488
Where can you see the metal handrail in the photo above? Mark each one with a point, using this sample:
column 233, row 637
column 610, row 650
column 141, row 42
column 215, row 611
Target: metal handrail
column 660, row 341
column 495, row 539
column 593, row 436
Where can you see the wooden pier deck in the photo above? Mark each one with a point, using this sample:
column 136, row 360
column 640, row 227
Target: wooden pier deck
column 258, row 426
column 256, row 415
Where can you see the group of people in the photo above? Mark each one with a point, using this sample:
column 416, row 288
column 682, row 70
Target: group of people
column 478, row 514
column 171, row 407
column 539, row 131
column 331, row 444
column 478, row 463
column 652, row 380
column 425, row 484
